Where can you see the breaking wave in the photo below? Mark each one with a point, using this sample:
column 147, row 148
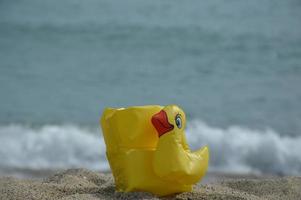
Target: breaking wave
column 234, row 149
column 244, row 150
column 51, row 146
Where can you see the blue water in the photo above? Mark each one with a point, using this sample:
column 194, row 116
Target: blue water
column 227, row 63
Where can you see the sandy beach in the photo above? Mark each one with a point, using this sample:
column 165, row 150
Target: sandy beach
column 86, row 184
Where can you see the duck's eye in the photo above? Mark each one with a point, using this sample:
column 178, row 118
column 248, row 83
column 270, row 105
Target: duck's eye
column 178, row 121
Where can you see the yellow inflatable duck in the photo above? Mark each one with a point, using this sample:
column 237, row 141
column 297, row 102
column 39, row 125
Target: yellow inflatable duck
column 147, row 150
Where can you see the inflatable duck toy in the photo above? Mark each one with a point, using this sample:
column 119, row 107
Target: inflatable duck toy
column 147, row 150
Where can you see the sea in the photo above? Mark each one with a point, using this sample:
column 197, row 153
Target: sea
column 233, row 66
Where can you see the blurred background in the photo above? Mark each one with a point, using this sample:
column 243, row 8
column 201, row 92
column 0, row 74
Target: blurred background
column 233, row 66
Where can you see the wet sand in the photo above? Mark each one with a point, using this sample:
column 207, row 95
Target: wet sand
column 85, row 184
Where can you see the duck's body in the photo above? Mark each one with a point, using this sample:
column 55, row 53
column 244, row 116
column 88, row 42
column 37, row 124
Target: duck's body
column 143, row 161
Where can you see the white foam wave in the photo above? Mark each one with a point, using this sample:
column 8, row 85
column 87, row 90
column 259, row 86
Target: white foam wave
column 243, row 150
column 51, row 146
column 235, row 149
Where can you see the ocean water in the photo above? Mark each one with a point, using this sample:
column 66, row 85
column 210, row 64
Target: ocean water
column 233, row 66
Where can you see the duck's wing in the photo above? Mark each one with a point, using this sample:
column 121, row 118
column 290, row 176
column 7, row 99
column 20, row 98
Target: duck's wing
column 173, row 161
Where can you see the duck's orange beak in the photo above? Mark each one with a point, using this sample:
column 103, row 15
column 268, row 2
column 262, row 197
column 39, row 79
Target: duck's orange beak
column 160, row 122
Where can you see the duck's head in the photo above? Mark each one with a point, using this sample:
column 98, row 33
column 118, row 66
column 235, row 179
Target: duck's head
column 170, row 119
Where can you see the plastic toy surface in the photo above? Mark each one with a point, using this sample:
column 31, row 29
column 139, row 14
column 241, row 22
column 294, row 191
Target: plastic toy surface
column 147, row 150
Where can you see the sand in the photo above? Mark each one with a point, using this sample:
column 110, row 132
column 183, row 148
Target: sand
column 85, row 184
